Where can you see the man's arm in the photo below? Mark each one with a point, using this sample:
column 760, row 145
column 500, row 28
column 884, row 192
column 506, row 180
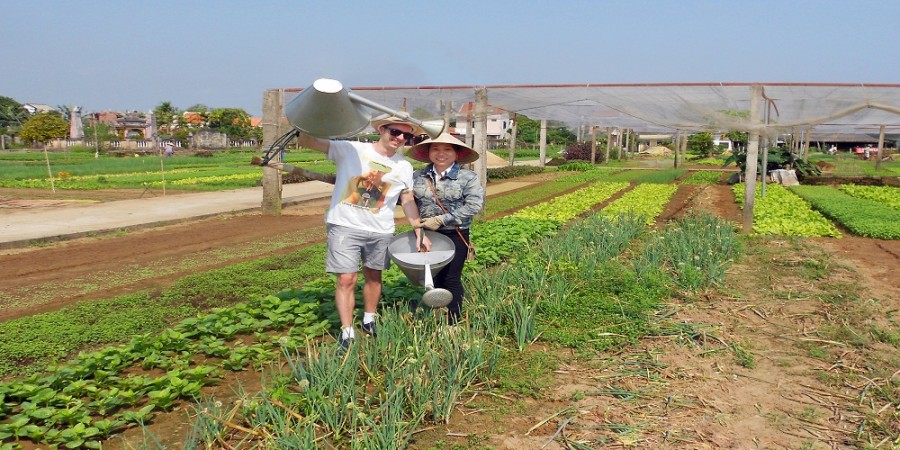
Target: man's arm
column 408, row 202
column 313, row 143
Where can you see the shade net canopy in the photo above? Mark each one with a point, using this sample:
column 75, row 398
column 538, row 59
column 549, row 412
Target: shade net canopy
column 819, row 108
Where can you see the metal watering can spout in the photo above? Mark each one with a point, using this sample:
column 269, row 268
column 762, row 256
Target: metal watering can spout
column 434, row 298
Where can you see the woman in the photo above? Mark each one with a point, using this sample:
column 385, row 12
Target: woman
column 448, row 196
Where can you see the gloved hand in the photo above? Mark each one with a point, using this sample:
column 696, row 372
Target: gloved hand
column 432, row 223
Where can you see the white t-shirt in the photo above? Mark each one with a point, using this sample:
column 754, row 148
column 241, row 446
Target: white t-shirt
column 367, row 186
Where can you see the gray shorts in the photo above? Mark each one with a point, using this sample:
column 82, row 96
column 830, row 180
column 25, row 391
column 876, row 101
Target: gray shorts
column 347, row 246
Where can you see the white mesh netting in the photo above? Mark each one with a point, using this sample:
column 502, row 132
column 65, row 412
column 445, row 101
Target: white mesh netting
column 662, row 108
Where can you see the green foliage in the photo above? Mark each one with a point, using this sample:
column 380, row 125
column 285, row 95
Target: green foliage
column 234, row 122
column 502, row 173
column 12, row 114
column 782, row 212
column 645, row 200
column 863, row 217
column 778, row 158
column 702, row 177
column 576, row 166
column 529, row 131
column 702, row 144
column 44, row 127
column 886, row 195
column 166, row 118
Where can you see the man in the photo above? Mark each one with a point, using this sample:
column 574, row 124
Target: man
column 360, row 220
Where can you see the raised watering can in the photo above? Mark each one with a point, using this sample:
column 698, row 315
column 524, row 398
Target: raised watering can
column 420, row 267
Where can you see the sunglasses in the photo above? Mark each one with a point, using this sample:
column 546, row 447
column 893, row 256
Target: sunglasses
column 397, row 133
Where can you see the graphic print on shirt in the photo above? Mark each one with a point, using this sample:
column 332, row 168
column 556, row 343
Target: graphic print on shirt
column 368, row 190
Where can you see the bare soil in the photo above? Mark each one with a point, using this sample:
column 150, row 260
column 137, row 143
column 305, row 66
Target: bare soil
column 758, row 363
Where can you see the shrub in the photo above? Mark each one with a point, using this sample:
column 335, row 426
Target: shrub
column 576, row 166
column 502, row 173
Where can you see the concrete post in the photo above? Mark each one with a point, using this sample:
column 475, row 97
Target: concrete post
column 543, row 142
column 678, row 137
column 481, row 108
column 756, row 94
column 273, row 101
column 608, row 145
column 880, row 147
column 512, row 139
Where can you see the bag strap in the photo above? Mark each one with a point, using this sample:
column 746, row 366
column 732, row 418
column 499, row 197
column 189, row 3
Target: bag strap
column 438, row 200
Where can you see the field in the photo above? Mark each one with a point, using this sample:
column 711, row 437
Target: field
column 780, row 339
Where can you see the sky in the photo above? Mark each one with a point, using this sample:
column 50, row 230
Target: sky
column 133, row 55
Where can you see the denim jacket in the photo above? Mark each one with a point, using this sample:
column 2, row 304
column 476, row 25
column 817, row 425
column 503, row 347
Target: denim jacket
column 459, row 190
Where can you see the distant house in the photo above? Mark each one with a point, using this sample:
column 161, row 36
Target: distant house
column 37, row 108
column 498, row 121
column 194, row 118
column 128, row 125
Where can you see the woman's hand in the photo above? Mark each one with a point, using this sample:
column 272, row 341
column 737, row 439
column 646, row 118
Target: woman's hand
column 431, row 223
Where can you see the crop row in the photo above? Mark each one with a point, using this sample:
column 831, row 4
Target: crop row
column 887, row 195
column 863, row 217
column 573, row 288
column 212, row 336
column 782, row 212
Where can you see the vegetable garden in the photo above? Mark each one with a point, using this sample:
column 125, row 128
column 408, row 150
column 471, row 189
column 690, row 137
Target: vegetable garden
column 584, row 266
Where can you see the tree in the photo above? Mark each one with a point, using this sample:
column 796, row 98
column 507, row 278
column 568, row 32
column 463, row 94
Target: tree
column 560, row 135
column 738, row 139
column 234, row 122
column 421, row 114
column 198, row 108
column 12, row 114
column 166, row 118
column 44, row 127
column 528, row 130
column 777, row 158
column 701, row 144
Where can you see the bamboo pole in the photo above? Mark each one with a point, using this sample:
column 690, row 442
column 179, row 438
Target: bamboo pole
column 49, row 172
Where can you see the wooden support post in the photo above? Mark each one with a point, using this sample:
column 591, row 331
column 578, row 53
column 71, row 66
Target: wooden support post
column 593, row 145
column 880, row 147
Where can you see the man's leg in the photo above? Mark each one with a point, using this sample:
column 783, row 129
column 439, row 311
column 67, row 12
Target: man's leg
column 344, row 298
column 371, row 289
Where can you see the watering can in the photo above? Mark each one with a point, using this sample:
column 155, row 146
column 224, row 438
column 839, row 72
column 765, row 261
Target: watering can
column 420, row 267
column 328, row 110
